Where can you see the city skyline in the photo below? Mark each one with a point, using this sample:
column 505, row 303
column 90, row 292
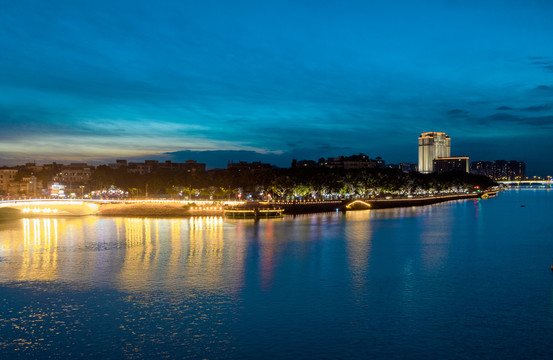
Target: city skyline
column 275, row 81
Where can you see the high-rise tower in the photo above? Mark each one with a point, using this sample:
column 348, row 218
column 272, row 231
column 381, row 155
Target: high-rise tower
column 432, row 145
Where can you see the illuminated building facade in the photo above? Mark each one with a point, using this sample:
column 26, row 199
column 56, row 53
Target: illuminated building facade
column 7, row 177
column 447, row 164
column 432, row 145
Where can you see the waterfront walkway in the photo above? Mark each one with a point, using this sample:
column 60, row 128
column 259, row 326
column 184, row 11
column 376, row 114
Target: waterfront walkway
column 51, row 207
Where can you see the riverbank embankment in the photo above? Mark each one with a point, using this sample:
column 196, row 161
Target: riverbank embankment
column 158, row 210
column 305, row 207
column 394, row 203
column 289, row 207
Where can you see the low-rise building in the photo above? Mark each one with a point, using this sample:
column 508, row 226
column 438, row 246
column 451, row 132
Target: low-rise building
column 138, row 168
column 407, row 167
column 304, row 164
column 118, row 164
column 453, row 163
column 360, row 161
column 192, row 166
column 75, row 174
column 34, row 167
column 244, row 165
column 28, row 186
column 7, row 177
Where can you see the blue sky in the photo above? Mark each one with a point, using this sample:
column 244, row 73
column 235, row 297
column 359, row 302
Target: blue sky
column 274, row 80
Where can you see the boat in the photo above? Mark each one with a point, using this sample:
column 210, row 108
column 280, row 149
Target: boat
column 253, row 213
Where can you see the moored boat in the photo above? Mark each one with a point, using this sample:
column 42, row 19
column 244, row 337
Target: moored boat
column 253, row 213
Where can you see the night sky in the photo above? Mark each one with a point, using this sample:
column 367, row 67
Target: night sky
column 215, row 81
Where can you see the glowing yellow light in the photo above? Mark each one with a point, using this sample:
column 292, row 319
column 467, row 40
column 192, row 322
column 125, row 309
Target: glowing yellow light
column 358, row 201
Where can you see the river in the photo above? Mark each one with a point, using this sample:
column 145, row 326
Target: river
column 457, row 280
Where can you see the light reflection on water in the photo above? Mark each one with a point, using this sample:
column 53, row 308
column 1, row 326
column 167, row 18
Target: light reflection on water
column 132, row 254
column 142, row 254
column 406, row 282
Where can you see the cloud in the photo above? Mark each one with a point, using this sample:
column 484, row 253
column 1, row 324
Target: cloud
column 540, row 121
column 258, row 78
column 541, row 91
column 502, row 117
column 543, row 88
column 458, row 113
column 542, row 62
column 537, row 108
column 510, row 119
column 534, row 108
column 23, row 122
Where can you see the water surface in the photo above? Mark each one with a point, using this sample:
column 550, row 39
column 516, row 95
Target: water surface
column 461, row 279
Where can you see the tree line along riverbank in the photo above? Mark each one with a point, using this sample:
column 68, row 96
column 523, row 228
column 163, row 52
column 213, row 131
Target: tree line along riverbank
column 287, row 184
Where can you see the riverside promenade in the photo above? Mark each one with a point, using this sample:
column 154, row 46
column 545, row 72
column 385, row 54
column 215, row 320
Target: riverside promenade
column 175, row 208
column 305, row 207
